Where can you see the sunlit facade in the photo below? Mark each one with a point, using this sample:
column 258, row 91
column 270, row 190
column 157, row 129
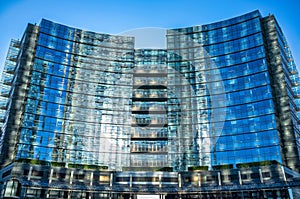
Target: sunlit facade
column 89, row 115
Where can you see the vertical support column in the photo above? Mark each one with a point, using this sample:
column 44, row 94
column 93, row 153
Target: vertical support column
column 283, row 173
column 29, row 173
column 51, row 174
column 219, row 179
column 71, row 177
column 199, row 180
column 111, row 180
column 47, row 193
column 162, row 196
column 159, row 181
column 130, row 185
column 179, row 180
column 130, row 181
column 260, row 176
column 92, row 178
column 240, row 178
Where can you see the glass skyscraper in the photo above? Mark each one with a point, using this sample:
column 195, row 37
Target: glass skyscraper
column 215, row 114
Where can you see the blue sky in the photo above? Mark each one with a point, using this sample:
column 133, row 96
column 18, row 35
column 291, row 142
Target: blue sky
column 115, row 16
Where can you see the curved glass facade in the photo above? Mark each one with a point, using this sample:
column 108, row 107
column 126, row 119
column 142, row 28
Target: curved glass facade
column 225, row 64
column 206, row 100
column 96, row 114
column 78, row 107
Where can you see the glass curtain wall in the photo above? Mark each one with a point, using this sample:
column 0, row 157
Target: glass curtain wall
column 78, row 109
column 232, row 112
